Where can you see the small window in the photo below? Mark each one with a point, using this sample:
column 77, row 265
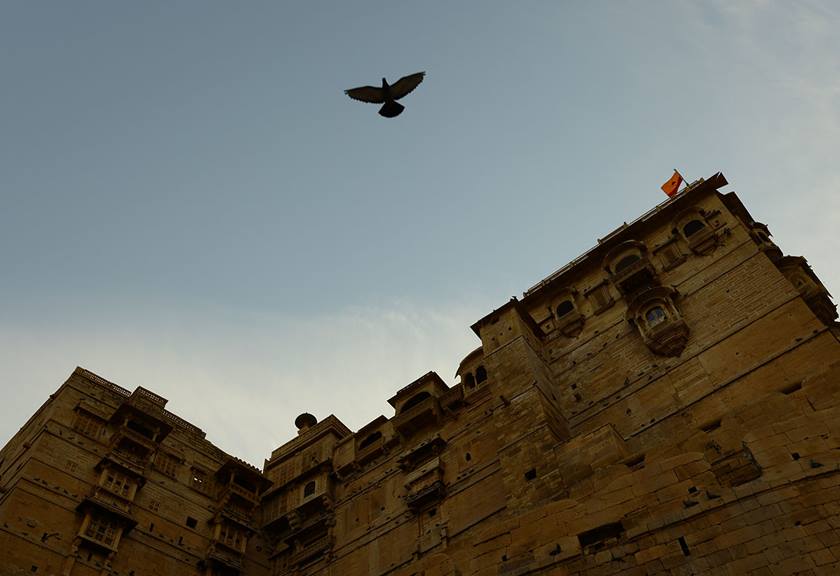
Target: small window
column 655, row 315
column 369, row 440
column 415, row 400
column 626, row 262
column 597, row 537
column 480, row 374
column 231, row 536
column 692, row 228
column 88, row 424
column 600, row 297
column 116, row 483
column 469, row 380
column 167, row 464
column 564, row 308
column 102, row 529
column 309, row 489
column 191, row 522
column 671, row 255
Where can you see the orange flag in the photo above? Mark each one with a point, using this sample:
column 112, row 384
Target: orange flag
column 673, row 184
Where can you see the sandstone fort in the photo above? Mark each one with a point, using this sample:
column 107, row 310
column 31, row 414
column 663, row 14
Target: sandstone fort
column 666, row 403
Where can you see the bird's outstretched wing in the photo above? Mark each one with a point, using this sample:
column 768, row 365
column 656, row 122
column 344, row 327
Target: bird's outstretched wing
column 406, row 84
column 369, row 94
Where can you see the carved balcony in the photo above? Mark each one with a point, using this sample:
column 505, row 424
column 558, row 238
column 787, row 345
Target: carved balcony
column 797, row 270
column 132, row 462
column 655, row 314
column 668, row 338
column 426, row 497
column 221, row 554
column 243, row 517
column 635, row 277
column 703, row 241
column 570, row 324
column 233, row 490
column 417, row 417
column 311, row 551
column 109, row 503
column 311, row 512
column 110, row 500
column 371, row 451
column 424, row 486
column 761, row 235
column 422, row 452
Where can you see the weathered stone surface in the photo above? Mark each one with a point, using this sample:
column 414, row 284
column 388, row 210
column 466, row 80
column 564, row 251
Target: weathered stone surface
column 697, row 434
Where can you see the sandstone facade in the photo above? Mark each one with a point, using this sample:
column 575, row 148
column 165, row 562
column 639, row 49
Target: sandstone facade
column 666, row 403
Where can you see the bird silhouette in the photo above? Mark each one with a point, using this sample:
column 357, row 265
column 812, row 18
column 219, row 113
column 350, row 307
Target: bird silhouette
column 387, row 95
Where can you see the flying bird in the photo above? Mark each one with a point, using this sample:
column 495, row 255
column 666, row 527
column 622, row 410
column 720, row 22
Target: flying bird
column 388, row 94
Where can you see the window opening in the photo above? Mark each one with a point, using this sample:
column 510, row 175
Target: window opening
column 626, row 262
column 102, row 530
column 655, row 315
column 309, row 489
column 564, row 308
column 469, row 380
column 166, row 464
column 692, row 228
column 600, row 297
column 791, row 389
column 709, row 426
column 596, row 537
column 480, row 374
column 231, row 536
column 117, row 483
column 87, row 424
column 415, row 400
column 370, row 440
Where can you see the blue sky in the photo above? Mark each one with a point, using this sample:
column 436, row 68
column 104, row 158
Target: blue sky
column 189, row 203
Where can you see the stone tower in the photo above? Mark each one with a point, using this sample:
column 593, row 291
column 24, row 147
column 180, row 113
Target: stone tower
column 665, row 403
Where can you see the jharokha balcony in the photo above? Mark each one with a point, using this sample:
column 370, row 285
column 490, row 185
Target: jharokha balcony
column 240, row 487
column 220, row 554
column 311, row 551
column 425, row 412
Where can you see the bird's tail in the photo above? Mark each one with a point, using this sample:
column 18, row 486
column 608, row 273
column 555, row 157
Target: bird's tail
column 391, row 109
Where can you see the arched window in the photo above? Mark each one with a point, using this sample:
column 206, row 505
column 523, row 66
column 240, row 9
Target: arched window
column 370, row 439
column 564, row 308
column 655, row 315
column 309, row 489
column 626, row 262
column 415, row 400
column 469, row 380
column 480, row 374
column 692, row 228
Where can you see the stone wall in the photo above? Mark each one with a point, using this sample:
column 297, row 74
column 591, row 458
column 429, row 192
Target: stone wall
column 666, row 403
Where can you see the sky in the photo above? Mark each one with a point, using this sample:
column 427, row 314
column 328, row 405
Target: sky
column 189, row 202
